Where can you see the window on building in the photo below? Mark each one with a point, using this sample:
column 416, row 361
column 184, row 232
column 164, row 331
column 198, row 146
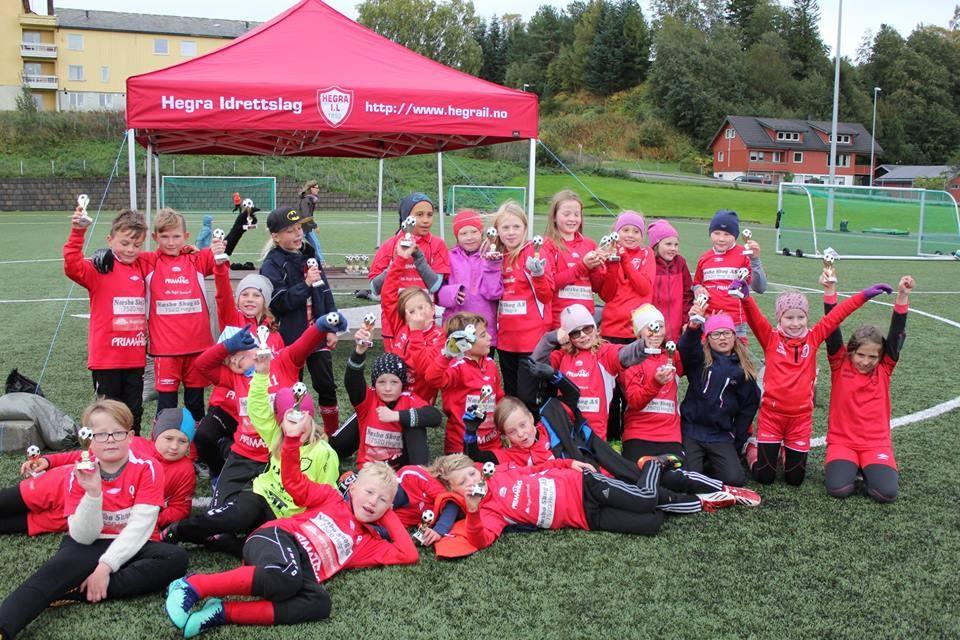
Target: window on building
column 188, row 48
column 730, row 134
column 777, row 156
column 31, row 68
column 31, row 37
column 76, row 99
column 798, row 157
column 843, row 159
column 842, row 138
column 75, row 41
column 788, row 136
column 161, row 46
column 719, row 156
column 104, row 74
column 106, row 101
column 75, row 72
column 756, row 156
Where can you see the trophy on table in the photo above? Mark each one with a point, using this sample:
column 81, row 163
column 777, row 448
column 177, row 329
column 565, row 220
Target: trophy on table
column 369, row 321
column 299, row 391
column 747, row 234
column 670, row 348
column 425, row 521
column 408, row 223
column 83, row 200
column 349, row 269
column 364, row 265
column 830, row 256
column 701, row 300
column 247, row 208
column 313, row 264
column 220, row 258
column 33, row 457
column 741, row 276
column 655, row 326
column 263, row 335
column 85, row 437
column 537, row 243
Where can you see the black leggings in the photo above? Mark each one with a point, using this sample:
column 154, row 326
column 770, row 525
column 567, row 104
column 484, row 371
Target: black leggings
column 283, row 574
column 192, row 400
column 244, row 513
column 768, row 458
column 676, row 480
column 720, row 457
column 510, row 370
column 320, row 365
column 214, row 437
column 880, row 482
column 125, row 385
column 618, row 403
column 236, row 476
column 13, row 510
column 149, row 571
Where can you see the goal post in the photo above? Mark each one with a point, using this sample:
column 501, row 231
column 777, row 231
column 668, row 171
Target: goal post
column 868, row 222
column 210, row 194
column 484, row 199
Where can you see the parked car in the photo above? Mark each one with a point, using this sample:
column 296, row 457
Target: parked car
column 751, row 179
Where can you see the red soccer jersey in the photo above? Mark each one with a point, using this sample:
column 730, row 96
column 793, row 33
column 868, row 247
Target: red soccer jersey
column 652, row 410
column 595, row 374
column 422, row 490
column 627, row 284
column 461, row 380
column 43, row 497
column 178, row 316
column 574, row 283
column 540, row 454
column 525, row 312
column 140, row 482
column 859, row 404
column 381, row 441
column 117, row 334
column 715, row 271
column 418, row 349
column 434, row 250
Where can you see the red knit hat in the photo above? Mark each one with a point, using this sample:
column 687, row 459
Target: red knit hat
column 466, row 218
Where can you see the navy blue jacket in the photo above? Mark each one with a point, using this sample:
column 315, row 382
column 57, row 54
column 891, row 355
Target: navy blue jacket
column 285, row 270
column 720, row 402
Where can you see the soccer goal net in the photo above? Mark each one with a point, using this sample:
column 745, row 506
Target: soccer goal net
column 867, row 222
column 210, row 194
column 482, row 199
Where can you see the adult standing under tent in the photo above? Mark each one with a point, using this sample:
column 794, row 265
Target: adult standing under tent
column 307, row 206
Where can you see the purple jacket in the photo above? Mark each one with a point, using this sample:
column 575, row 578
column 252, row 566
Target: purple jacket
column 481, row 280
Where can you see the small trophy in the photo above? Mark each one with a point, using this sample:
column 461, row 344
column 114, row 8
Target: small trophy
column 537, row 243
column 247, row 208
column 333, row 319
column 408, row 223
column 492, row 253
column 220, row 258
column 364, row 265
column 313, row 264
column 469, row 338
column 425, row 521
column 369, row 321
column 829, row 269
column 82, row 201
column 747, row 234
column 486, row 392
column 263, row 335
column 655, row 326
column 85, row 436
column 604, row 247
column 701, row 301
column 488, row 470
column 33, row 457
column 299, row 391
column 742, row 274
column 670, row 347
column 613, row 256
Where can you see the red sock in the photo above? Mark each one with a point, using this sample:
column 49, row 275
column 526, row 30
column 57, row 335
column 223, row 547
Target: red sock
column 236, row 582
column 331, row 419
column 259, row 612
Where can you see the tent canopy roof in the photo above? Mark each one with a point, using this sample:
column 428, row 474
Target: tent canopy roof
column 313, row 82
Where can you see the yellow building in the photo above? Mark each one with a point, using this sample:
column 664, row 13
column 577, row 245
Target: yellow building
column 79, row 60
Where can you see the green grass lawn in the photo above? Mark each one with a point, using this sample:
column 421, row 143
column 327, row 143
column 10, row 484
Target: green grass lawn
column 801, row 565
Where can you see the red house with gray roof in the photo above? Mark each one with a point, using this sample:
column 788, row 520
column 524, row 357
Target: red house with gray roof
column 777, row 150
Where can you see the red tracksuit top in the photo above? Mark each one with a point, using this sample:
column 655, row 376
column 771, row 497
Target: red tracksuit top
column 422, row 490
column 417, row 349
column 381, row 441
column 544, row 498
column 284, row 372
column 117, row 335
column 626, row 285
column 461, row 380
column 178, row 318
column 539, row 455
column 673, row 294
column 327, row 530
column 595, row 374
column 715, row 271
column 575, row 284
column 525, row 311
column 433, row 249
column 859, row 404
column 653, row 412
column 791, row 363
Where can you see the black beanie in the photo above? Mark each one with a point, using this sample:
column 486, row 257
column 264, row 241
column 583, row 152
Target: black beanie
column 389, row 363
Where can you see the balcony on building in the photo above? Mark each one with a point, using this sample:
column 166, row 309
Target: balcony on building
column 40, row 82
column 38, row 50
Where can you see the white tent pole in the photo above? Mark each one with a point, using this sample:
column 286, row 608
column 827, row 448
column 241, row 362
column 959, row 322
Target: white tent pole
column 156, row 177
column 443, row 221
column 379, row 202
column 532, row 184
column 132, row 167
column 148, row 161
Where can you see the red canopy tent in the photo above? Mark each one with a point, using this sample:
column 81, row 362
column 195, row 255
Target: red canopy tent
column 312, row 82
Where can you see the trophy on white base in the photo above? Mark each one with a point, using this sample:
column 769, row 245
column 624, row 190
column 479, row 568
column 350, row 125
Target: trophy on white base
column 85, row 437
column 364, row 265
column 426, row 519
column 486, row 392
column 655, row 326
column 263, row 335
column 247, row 208
column 220, row 258
column 829, row 268
column 408, row 223
column 369, row 321
column 670, row 348
column 747, row 234
column 742, row 274
column 611, row 250
column 33, row 457
column 701, row 301
column 537, row 243
column 311, row 264
column 299, row 391
column 83, row 200
column 492, row 253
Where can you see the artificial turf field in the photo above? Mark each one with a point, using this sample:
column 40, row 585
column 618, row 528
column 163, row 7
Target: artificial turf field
column 800, row 565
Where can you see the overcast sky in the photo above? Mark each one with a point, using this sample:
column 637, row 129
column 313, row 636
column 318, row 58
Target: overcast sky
column 859, row 16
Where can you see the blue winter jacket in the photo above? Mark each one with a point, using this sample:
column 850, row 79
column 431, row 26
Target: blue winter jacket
column 285, row 269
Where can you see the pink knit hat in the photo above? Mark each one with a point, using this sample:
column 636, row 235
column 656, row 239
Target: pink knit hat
column 283, row 401
column 718, row 322
column 576, row 316
column 791, row 300
column 659, row 230
column 630, row 217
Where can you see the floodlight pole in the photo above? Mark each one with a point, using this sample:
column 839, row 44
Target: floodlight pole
column 833, row 126
column 873, row 130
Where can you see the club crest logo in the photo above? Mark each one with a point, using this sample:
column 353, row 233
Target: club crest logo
column 335, row 105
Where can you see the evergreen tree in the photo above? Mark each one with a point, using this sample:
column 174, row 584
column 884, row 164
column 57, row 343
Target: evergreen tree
column 803, row 37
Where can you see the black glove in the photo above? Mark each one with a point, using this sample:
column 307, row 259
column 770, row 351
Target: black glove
column 103, row 260
column 541, row 371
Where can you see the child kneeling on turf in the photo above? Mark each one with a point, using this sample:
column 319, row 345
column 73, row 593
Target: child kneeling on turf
column 112, row 549
column 287, row 561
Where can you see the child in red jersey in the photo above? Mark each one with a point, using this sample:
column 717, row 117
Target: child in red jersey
column 392, row 421
column 287, row 561
column 462, row 369
column 790, row 353
column 528, row 289
column 35, row 506
column 117, row 335
column 577, row 267
column 111, row 549
column 417, row 339
column 858, row 432
column 673, row 285
column 717, row 268
column 423, row 261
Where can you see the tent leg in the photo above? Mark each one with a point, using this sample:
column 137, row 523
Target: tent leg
column 132, row 166
column 532, row 184
column 148, row 196
column 379, row 203
column 443, row 222
column 156, row 179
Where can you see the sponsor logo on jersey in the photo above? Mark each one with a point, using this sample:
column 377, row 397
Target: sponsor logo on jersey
column 177, row 280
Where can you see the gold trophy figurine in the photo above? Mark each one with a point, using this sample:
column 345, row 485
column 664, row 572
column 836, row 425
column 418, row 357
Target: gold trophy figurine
column 426, row 519
column 408, row 223
column 85, row 436
column 829, row 268
column 247, row 207
column 83, row 200
column 670, row 347
column 537, row 243
column 311, row 263
column 220, row 258
column 654, row 326
column 299, row 391
column 263, row 335
column 369, row 321
column 33, row 457
column 747, row 234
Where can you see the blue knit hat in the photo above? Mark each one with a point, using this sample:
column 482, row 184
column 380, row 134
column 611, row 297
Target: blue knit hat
column 174, row 418
column 408, row 203
column 726, row 220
